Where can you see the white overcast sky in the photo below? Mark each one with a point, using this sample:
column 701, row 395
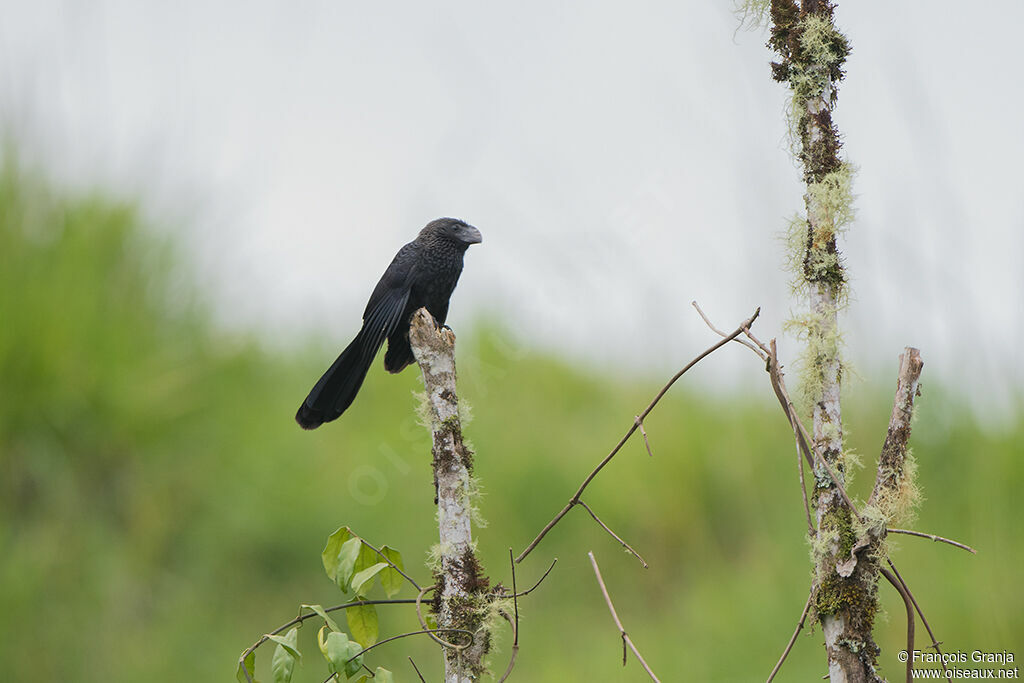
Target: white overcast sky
column 621, row 159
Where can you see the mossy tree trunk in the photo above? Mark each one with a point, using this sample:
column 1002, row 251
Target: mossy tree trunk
column 812, row 54
column 461, row 595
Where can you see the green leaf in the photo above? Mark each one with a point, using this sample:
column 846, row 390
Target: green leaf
column 332, row 551
column 367, row 557
column 338, row 650
column 352, row 668
column 288, row 641
column 363, row 581
column 362, row 621
column 248, row 664
column 285, row 655
column 347, row 557
column 382, row 675
column 390, row 579
column 323, row 615
column 321, row 641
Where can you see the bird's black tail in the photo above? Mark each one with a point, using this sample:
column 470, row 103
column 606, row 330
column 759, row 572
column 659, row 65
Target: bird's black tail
column 336, row 390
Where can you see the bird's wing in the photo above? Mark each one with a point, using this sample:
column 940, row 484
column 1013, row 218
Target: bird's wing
column 384, row 310
column 382, row 320
column 396, row 280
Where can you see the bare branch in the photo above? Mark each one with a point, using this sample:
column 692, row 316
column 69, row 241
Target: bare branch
column 722, row 334
column 427, row 631
column 579, row 492
column 898, row 585
column 417, row 670
column 803, row 439
column 938, row 539
column 800, row 433
column 540, row 580
column 935, row 643
column 515, row 649
column 613, row 534
column 392, row 564
column 625, row 637
column 515, row 624
column 302, row 617
column 811, row 532
column 431, row 632
column 792, row 639
column 894, row 451
column 643, row 432
column 515, row 600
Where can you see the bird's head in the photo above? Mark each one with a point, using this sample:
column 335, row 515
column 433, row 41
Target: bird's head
column 453, row 229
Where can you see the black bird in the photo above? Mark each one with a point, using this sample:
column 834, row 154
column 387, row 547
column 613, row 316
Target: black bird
column 422, row 274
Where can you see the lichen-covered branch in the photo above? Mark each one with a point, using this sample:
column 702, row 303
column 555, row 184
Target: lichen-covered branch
column 811, row 56
column 894, row 493
column 462, row 595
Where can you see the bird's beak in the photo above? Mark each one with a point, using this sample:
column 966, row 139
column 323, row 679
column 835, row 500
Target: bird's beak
column 473, row 235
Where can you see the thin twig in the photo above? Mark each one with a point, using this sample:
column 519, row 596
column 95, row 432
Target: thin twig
column 417, row 670
column 302, row 617
column 934, row 538
column 393, row 565
column 613, row 534
column 722, row 334
column 927, row 627
column 579, row 492
column 540, row 580
column 625, row 637
column 803, row 492
column 515, row 601
column 803, row 439
column 515, row 625
column 898, row 585
column 406, row 635
column 430, row 631
column 789, row 646
column 515, row 648
column 643, row 433
column 770, row 355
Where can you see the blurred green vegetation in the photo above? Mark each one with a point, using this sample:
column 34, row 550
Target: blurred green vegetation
column 159, row 509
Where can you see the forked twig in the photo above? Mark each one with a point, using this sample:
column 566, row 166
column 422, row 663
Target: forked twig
column 927, row 627
column 643, row 433
column 426, row 631
column 515, row 624
column 898, row 585
column 625, row 637
column 722, row 334
column 770, row 356
column 745, row 325
column 540, row 580
column 392, row 564
column 938, row 539
column 302, row 618
column 431, row 632
column 613, row 534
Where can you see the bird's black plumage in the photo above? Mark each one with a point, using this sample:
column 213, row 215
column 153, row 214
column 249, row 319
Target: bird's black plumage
column 423, row 274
